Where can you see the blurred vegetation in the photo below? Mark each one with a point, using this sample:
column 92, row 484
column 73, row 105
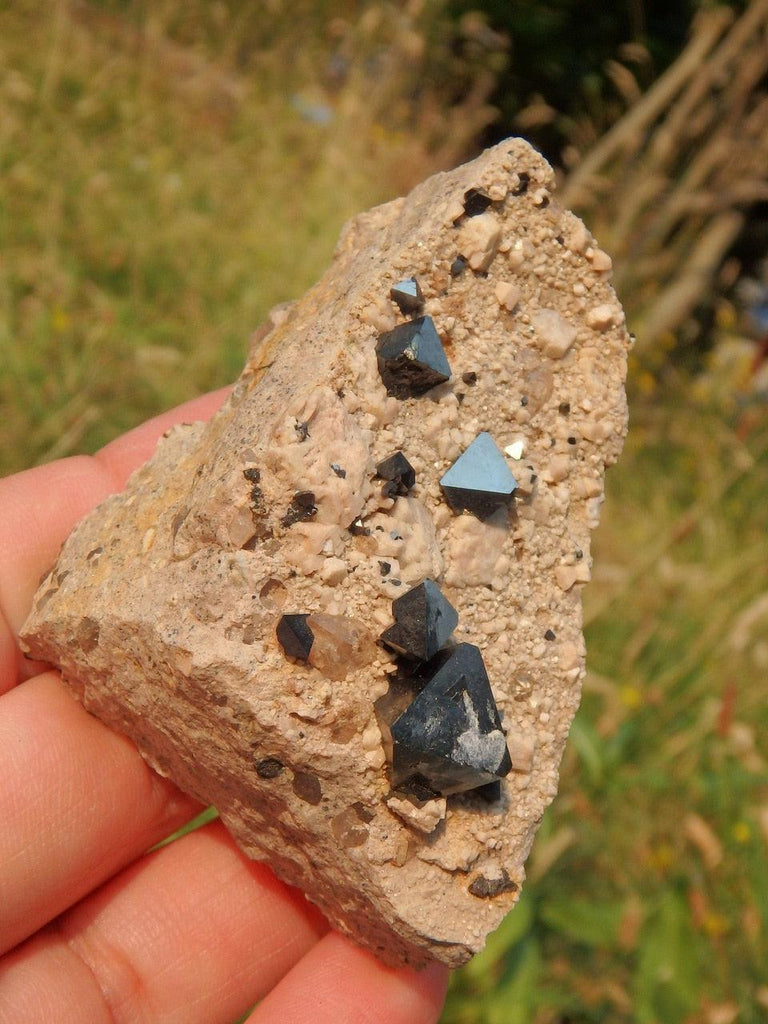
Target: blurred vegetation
column 170, row 171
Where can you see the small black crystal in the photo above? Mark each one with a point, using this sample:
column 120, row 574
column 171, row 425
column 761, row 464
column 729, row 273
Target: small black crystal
column 295, row 636
column 411, row 358
column 458, row 266
column 424, row 621
column 358, row 529
column 302, row 507
column 480, row 480
column 338, row 471
column 269, row 768
column 486, row 888
column 398, row 472
column 469, row 378
column 407, row 295
column 450, row 736
column 476, row 202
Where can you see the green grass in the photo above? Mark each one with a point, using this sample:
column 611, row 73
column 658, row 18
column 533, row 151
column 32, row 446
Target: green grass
column 154, row 207
column 158, row 199
column 155, row 200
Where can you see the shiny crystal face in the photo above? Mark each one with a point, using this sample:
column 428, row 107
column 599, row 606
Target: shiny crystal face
column 450, row 739
column 295, row 637
column 480, row 480
column 476, row 202
column 424, row 621
column 411, row 358
column 398, row 472
column 407, row 295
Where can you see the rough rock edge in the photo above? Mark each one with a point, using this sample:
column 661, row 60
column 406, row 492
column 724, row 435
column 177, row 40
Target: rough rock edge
column 160, row 610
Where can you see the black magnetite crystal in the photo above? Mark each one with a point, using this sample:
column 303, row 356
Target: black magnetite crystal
column 424, row 621
column 411, row 358
column 302, row 507
column 450, row 736
column 480, row 480
column 476, row 202
column 408, row 295
column 398, row 472
column 295, row 636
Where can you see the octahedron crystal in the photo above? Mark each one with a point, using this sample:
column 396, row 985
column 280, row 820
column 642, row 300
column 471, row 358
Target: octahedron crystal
column 398, row 472
column 450, row 737
column 480, row 480
column 407, row 295
column 424, row 621
column 411, row 358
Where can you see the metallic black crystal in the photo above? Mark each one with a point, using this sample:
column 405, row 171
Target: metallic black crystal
column 399, row 473
column 424, row 621
column 302, row 507
column 295, row 636
column 407, row 295
column 476, row 202
column 411, row 358
column 480, row 480
column 450, row 736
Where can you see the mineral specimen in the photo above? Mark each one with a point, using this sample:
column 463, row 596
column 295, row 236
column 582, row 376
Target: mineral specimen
column 164, row 608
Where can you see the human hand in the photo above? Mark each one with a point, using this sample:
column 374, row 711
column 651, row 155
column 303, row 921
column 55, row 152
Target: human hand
column 93, row 927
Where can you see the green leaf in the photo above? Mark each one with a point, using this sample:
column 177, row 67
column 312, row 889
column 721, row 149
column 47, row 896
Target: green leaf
column 514, row 1000
column 668, row 978
column 589, row 748
column 583, row 920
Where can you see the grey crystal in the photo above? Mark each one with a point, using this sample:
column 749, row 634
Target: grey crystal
column 480, row 480
column 407, row 295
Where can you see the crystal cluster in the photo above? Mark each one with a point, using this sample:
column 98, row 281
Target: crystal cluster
column 444, row 733
column 368, row 769
column 448, row 738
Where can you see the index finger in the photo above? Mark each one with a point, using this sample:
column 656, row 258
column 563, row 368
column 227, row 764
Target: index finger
column 39, row 507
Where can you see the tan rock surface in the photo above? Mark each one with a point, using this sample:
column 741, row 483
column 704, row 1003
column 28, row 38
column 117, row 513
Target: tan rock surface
column 161, row 610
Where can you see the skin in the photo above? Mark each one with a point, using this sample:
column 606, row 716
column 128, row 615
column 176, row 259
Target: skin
column 92, row 926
